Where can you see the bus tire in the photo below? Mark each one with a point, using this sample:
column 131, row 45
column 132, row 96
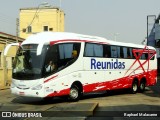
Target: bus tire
column 74, row 94
column 134, row 87
column 142, row 86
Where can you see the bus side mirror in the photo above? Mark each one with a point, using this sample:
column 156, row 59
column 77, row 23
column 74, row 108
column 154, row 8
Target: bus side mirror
column 8, row 47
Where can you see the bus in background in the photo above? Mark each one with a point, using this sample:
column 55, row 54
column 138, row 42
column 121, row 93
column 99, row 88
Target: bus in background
column 51, row 64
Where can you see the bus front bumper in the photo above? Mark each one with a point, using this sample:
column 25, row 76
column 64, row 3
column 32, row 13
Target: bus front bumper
column 27, row 92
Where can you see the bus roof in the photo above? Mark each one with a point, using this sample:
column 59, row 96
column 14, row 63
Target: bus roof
column 47, row 37
column 54, row 36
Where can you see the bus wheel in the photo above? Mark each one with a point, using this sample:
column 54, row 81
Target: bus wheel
column 142, row 86
column 134, row 88
column 74, row 93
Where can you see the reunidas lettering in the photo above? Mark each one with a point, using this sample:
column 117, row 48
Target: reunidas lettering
column 107, row 65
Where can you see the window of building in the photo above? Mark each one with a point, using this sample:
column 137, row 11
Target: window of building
column 29, row 29
column 45, row 28
column 23, row 30
column 50, row 29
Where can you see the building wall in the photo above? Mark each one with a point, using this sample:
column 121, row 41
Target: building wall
column 6, row 61
column 37, row 18
column 2, row 70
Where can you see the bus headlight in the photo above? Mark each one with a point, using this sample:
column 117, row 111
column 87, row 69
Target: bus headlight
column 38, row 87
column 12, row 85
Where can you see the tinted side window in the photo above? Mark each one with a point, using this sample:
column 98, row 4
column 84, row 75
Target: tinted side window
column 125, row 52
column 65, row 50
column 107, row 51
column 116, row 52
column 129, row 53
column 93, row 50
column 152, row 57
column 60, row 56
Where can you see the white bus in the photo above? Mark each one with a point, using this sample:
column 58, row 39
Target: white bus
column 51, row 64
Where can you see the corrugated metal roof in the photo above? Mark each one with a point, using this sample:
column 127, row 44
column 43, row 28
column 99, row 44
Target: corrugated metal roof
column 10, row 38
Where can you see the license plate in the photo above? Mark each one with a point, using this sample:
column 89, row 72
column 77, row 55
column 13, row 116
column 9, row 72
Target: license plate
column 21, row 93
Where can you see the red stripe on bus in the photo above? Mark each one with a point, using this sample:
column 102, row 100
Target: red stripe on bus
column 50, row 78
column 124, row 82
column 59, row 93
column 137, row 59
column 75, row 40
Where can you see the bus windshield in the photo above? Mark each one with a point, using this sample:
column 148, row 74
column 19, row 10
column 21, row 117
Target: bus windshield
column 27, row 65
